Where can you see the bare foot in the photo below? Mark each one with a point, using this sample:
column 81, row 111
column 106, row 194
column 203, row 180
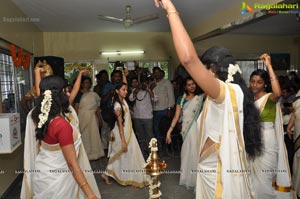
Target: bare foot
column 105, row 178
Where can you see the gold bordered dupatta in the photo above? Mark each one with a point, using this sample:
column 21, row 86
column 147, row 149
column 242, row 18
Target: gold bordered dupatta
column 283, row 182
column 232, row 179
column 31, row 150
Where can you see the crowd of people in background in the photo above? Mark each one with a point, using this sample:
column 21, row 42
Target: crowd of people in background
column 225, row 125
column 149, row 108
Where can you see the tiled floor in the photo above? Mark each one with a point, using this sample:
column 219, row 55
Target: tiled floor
column 169, row 184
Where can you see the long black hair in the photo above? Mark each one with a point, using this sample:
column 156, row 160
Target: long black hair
column 59, row 106
column 198, row 90
column 117, row 99
column 265, row 76
column 218, row 59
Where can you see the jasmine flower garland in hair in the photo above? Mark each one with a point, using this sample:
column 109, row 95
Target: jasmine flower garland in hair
column 45, row 108
column 232, row 69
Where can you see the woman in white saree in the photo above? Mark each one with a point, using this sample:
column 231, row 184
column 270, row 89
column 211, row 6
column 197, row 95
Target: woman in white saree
column 270, row 172
column 295, row 122
column 54, row 164
column 188, row 107
column 225, row 132
column 126, row 162
column 89, row 119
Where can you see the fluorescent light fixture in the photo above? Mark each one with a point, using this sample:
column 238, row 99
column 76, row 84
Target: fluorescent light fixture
column 122, row 52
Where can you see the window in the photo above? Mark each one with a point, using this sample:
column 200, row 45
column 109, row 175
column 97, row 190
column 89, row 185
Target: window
column 164, row 65
column 7, row 84
column 72, row 70
column 248, row 66
column 14, row 84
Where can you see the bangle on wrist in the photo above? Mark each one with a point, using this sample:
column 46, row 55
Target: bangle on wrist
column 172, row 126
column 172, row 12
column 84, row 183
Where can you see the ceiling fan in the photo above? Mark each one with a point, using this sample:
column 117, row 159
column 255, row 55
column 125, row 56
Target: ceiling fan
column 129, row 20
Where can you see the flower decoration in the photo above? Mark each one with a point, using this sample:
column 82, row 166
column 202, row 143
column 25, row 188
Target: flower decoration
column 45, row 108
column 232, row 69
column 153, row 187
column 182, row 100
column 16, row 59
column 19, row 59
column 26, row 61
column 152, row 149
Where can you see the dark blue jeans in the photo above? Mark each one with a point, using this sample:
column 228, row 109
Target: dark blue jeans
column 143, row 129
column 157, row 117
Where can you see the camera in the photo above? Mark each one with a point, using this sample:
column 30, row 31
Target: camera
column 146, row 75
column 119, row 66
column 144, row 85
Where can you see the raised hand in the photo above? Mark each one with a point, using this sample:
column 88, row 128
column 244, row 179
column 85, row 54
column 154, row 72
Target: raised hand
column 165, row 4
column 266, row 59
column 38, row 70
column 125, row 72
column 39, row 64
column 85, row 72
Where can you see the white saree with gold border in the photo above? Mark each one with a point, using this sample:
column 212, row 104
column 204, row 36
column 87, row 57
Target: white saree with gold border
column 296, row 136
column 270, row 171
column 89, row 125
column 46, row 173
column 223, row 170
column 126, row 167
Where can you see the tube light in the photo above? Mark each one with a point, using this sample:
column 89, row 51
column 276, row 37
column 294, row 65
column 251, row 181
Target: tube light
column 122, row 52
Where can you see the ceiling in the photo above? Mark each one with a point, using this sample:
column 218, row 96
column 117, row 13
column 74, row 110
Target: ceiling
column 280, row 24
column 81, row 16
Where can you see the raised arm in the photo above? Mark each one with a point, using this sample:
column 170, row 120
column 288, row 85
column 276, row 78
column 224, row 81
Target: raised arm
column 276, row 91
column 124, row 78
column 151, row 93
column 187, row 53
column 76, row 85
column 37, row 77
column 133, row 94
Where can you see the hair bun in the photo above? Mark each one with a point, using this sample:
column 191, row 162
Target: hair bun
column 48, row 68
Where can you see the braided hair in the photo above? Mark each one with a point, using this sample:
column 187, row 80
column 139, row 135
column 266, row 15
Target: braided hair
column 59, row 104
column 117, row 99
column 218, row 59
